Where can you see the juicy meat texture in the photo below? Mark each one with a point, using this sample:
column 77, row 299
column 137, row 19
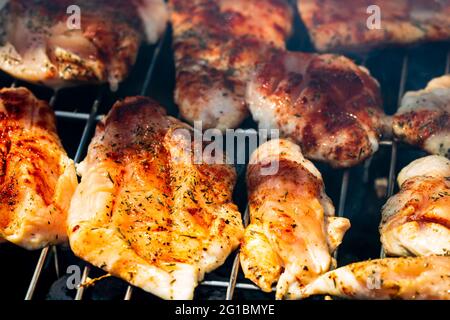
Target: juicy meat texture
column 325, row 103
column 292, row 231
column 336, row 25
column 217, row 44
column 37, row 44
column 144, row 211
column 416, row 221
column 423, row 118
column 37, row 179
column 411, row 278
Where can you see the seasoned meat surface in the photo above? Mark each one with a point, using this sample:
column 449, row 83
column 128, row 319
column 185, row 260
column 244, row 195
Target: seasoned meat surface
column 217, row 44
column 145, row 211
column 37, row 179
column 416, row 221
column 293, row 230
column 417, row 278
column 423, row 119
column 336, row 25
column 39, row 42
column 325, row 103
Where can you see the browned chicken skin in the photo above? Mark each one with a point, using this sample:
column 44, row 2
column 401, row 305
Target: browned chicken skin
column 217, row 44
column 423, row 118
column 416, row 221
column 336, row 25
column 144, row 211
column 37, row 179
column 325, row 103
column 418, row 278
column 292, row 230
column 37, row 44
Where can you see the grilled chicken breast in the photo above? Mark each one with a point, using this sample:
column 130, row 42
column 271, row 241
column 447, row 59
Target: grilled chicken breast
column 144, row 211
column 217, row 44
column 336, row 25
column 325, row 103
column 37, row 178
column 423, row 118
column 418, row 278
column 416, row 221
column 293, row 230
column 38, row 44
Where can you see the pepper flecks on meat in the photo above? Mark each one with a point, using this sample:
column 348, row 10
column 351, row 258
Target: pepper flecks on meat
column 217, row 44
column 412, row 278
column 332, row 109
column 37, row 179
column 416, row 220
column 335, row 25
column 38, row 46
column 423, row 118
column 292, row 231
column 166, row 210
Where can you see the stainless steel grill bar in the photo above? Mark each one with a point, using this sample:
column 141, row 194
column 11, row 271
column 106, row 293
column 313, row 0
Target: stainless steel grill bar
column 84, row 276
column 37, row 273
column 76, row 116
column 344, row 185
column 393, row 162
column 394, row 146
column 56, row 260
column 232, row 283
column 128, row 294
column 342, row 201
column 225, row 284
column 45, row 251
column 447, row 65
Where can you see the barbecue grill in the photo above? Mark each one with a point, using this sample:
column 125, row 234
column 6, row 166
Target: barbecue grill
column 43, row 274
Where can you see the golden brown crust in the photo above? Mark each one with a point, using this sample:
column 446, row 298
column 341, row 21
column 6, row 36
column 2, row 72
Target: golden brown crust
column 412, row 278
column 287, row 240
column 103, row 49
column 326, row 103
column 33, row 170
column 342, row 26
column 416, row 127
column 140, row 184
column 423, row 119
column 226, row 39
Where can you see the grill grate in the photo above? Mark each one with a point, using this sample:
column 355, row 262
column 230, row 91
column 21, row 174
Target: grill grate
column 233, row 280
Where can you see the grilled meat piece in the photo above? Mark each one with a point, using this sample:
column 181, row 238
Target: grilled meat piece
column 416, row 221
column 39, row 46
column 420, row 278
column 325, row 103
column 423, row 119
column 336, row 25
column 144, row 211
column 37, row 178
column 217, row 44
column 293, row 230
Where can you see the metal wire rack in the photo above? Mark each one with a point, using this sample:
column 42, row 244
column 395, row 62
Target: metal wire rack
column 234, row 282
